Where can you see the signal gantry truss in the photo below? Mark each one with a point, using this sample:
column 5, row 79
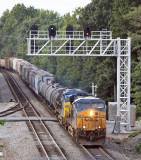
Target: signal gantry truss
column 99, row 44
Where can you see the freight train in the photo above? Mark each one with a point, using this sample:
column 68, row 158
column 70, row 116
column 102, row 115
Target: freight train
column 83, row 116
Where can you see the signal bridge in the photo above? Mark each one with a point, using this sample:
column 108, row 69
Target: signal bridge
column 74, row 44
column 91, row 43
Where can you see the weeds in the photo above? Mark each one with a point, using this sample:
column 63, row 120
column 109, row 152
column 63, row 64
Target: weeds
column 2, row 122
column 134, row 134
column 138, row 118
column 138, row 148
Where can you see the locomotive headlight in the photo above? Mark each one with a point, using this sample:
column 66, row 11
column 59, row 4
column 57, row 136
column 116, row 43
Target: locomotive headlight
column 91, row 113
column 84, row 127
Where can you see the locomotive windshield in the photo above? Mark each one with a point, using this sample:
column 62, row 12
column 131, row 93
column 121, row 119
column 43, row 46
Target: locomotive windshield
column 86, row 106
column 89, row 105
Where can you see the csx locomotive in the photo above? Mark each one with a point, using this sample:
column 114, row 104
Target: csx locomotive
column 82, row 115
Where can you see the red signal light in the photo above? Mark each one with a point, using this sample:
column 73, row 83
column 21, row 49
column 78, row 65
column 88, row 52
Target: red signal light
column 87, row 31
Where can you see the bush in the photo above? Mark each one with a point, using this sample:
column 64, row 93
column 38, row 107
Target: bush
column 139, row 148
column 2, row 122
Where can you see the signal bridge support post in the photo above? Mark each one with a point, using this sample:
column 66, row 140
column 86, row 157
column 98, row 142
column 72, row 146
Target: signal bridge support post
column 99, row 44
column 123, row 81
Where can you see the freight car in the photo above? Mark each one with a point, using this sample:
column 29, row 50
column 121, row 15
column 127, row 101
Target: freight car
column 82, row 115
column 2, row 63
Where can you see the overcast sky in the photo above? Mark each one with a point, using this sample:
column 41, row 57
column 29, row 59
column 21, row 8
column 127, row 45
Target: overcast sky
column 61, row 6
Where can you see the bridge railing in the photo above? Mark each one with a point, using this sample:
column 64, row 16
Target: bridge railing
column 74, row 35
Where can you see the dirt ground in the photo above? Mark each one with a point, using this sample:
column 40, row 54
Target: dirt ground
column 122, row 146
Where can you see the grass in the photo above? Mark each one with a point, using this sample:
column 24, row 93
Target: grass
column 2, row 122
column 138, row 148
column 134, row 134
column 138, row 118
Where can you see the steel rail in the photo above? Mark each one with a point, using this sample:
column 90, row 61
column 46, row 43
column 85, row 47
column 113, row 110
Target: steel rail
column 88, row 152
column 26, row 112
column 99, row 149
column 105, row 153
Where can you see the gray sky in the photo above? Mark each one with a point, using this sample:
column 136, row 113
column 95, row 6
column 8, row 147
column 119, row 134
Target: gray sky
column 61, row 6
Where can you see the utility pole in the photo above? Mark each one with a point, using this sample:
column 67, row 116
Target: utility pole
column 94, row 90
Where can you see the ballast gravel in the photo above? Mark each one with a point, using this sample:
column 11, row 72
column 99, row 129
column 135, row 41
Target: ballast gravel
column 5, row 93
column 20, row 145
column 18, row 142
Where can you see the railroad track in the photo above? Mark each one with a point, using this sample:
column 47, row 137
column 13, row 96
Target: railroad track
column 47, row 146
column 98, row 153
column 11, row 110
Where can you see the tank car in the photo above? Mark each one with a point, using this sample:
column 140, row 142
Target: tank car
column 42, row 76
column 53, row 95
column 42, row 89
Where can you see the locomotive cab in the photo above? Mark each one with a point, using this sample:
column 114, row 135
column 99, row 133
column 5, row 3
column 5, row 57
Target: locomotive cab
column 69, row 98
column 67, row 105
column 88, row 118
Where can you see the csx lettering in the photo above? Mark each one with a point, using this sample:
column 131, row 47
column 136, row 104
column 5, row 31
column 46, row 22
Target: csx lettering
column 90, row 119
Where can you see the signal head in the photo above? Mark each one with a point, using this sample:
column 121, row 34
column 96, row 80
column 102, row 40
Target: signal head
column 69, row 30
column 34, row 29
column 52, row 31
column 87, row 31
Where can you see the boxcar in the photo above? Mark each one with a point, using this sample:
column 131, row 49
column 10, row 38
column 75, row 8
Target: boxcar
column 2, row 63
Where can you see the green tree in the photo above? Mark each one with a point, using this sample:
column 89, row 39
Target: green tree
column 97, row 14
column 118, row 24
column 136, row 86
column 134, row 31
